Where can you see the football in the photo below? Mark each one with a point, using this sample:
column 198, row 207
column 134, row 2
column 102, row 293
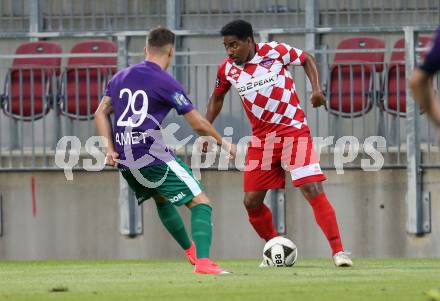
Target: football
column 280, row 252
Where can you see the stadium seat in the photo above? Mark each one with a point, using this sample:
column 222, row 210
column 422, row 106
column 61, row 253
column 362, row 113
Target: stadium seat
column 351, row 90
column 394, row 101
column 29, row 82
column 84, row 79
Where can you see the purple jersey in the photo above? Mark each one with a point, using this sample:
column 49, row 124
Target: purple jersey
column 432, row 61
column 142, row 95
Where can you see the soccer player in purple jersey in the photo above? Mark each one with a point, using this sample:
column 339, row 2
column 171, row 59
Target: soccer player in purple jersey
column 421, row 82
column 140, row 97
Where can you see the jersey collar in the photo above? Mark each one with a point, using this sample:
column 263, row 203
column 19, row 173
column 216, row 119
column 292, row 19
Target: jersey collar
column 152, row 64
column 256, row 58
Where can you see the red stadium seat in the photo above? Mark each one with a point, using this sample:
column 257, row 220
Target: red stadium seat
column 85, row 78
column 351, row 84
column 28, row 85
column 395, row 78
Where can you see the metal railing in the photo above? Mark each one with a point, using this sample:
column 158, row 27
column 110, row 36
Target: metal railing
column 377, row 116
column 41, row 104
column 213, row 14
column 108, row 15
column 377, row 13
column 14, row 16
column 30, row 142
column 40, row 17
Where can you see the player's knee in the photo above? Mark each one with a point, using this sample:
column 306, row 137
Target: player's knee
column 200, row 199
column 252, row 201
column 311, row 190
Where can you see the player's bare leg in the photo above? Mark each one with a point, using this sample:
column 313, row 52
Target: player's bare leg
column 201, row 228
column 173, row 222
column 326, row 218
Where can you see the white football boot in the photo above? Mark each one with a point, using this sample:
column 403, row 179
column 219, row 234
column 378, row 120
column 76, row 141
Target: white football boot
column 341, row 259
column 263, row 264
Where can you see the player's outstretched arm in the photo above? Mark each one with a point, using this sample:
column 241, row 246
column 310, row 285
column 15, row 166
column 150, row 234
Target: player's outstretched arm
column 215, row 105
column 423, row 91
column 204, row 128
column 104, row 126
column 317, row 98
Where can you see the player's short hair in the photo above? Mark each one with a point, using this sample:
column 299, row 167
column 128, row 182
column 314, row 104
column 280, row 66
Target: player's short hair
column 160, row 37
column 239, row 28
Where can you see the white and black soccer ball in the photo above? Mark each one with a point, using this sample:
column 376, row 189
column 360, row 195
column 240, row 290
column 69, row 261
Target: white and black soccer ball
column 280, row 252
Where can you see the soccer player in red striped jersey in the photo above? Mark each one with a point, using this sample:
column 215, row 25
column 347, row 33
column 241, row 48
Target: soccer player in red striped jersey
column 259, row 72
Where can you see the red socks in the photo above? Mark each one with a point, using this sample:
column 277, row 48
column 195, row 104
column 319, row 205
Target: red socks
column 261, row 219
column 326, row 219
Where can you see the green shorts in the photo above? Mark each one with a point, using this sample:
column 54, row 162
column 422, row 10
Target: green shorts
column 172, row 180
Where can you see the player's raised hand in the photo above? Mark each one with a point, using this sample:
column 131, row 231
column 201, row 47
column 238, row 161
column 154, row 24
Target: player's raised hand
column 111, row 158
column 317, row 99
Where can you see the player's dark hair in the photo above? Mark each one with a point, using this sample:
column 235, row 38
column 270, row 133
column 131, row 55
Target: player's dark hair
column 160, row 37
column 239, row 28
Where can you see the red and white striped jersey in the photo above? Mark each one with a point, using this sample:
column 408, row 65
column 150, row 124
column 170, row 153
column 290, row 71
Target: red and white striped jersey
column 266, row 88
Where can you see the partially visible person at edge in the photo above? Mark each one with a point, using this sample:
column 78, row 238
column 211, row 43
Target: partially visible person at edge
column 422, row 82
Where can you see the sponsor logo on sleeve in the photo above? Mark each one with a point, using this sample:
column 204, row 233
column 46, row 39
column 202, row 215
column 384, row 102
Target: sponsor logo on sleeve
column 267, row 63
column 180, row 99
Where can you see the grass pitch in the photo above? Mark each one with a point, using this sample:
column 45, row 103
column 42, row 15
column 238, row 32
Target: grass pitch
column 370, row 279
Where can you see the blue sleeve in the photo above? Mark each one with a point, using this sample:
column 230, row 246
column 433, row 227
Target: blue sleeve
column 432, row 61
column 176, row 97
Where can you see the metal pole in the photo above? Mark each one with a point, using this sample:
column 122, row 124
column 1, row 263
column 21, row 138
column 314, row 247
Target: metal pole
column 34, row 17
column 122, row 52
column 130, row 213
column 418, row 203
column 1, row 214
column 310, row 18
column 173, row 14
column 173, row 23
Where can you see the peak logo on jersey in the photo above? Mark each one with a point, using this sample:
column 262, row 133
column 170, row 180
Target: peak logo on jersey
column 257, row 83
column 180, row 99
column 217, row 82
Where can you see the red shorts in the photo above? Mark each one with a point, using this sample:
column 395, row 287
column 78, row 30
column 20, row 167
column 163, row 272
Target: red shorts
column 267, row 162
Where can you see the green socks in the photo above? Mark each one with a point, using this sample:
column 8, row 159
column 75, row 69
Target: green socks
column 173, row 222
column 201, row 228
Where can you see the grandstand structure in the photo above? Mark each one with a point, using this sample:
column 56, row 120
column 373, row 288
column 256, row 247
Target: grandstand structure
column 56, row 57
